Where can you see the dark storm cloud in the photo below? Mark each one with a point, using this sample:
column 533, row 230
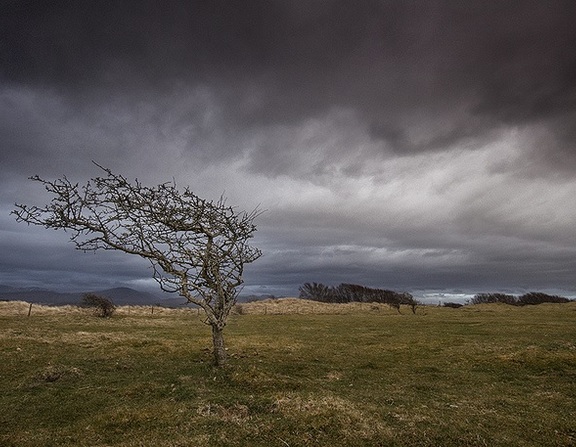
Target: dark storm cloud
column 421, row 75
column 73, row 44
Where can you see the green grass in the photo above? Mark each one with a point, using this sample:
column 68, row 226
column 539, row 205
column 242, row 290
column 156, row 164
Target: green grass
column 490, row 375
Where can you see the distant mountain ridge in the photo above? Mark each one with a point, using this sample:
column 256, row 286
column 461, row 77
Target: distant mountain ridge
column 121, row 296
column 6, row 289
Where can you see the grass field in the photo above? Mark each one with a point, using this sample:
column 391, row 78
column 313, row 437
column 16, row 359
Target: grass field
column 300, row 374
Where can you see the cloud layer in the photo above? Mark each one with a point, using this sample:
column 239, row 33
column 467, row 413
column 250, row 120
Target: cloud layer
column 395, row 144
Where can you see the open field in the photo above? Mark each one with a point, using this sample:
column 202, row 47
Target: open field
column 300, row 374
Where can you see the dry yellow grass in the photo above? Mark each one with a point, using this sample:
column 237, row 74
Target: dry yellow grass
column 15, row 308
column 285, row 306
column 282, row 306
column 301, row 373
column 344, row 412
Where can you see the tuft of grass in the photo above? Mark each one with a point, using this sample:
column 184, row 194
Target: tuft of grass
column 300, row 374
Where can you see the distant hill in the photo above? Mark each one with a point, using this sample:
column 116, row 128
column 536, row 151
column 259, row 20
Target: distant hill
column 121, row 296
column 124, row 296
column 39, row 296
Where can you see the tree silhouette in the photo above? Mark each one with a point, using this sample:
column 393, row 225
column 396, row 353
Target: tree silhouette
column 197, row 247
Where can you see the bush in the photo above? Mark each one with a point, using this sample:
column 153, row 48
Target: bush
column 104, row 307
column 238, row 309
column 453, row 305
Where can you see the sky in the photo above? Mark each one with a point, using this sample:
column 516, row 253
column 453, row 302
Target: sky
column 418, row 145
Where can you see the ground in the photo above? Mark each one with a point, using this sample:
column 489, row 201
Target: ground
column 300, row 374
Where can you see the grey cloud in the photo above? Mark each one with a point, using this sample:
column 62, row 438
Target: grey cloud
column 394, row 143
column 46, row 259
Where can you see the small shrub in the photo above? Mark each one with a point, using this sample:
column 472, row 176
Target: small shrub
column 453, row 305
column 238, row 309
column 104, row 307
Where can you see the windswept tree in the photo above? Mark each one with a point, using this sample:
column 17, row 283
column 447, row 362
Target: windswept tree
column 489, row 298
column 197, row 248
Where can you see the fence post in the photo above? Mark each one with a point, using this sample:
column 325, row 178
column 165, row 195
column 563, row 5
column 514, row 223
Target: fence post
column 30, row 309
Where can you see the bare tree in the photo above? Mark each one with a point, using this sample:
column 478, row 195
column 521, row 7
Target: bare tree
column 407, row 299
column 197, row 247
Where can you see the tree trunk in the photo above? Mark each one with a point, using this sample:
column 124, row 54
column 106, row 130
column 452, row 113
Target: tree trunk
column 220, row 356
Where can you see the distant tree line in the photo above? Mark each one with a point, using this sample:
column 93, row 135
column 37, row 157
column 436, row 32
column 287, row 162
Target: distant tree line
column 353, row 293
column 527, row 299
